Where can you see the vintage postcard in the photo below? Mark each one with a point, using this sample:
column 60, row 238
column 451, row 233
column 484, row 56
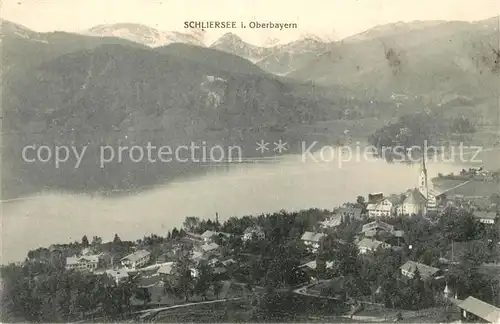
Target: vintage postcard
column 250, row 161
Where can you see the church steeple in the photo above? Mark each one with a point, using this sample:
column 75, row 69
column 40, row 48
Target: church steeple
column 423, row 186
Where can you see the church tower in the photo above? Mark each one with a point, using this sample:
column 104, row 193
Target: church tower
column 423, row 186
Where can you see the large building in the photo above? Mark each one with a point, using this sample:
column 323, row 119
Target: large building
column 414, row 204
column 385, row 207
column 136, row 259
column 85, row 262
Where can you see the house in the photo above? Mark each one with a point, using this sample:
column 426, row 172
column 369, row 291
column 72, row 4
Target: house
column 342, row 215
column 309, row 270
column 208, row 236
column 486, row 217
column 414, row 204
column 377, row 226
column 426, row 272
column 312, row 240
column 249, row 233
column 85, row 262
column 475, row 310
column 349, row 213
column 119, row 275
column 136, row 259
column 209, row 248
column 166, row 269
column 386, row 207
column 382, row 231
column 332, row 221
column 371, row 245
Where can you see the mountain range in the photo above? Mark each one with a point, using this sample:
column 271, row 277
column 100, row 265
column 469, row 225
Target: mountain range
column 346, row 62
column 275, row 58
column 430, row 59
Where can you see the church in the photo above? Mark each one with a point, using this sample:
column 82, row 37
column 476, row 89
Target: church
column 420, row 200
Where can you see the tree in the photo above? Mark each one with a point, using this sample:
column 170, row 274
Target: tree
column 184, row 285
column 360, row 200
column 190, row 223
column 458, row 226
column 116, row 239
column 85, row 241
column 217, row 286
column 175, row 233
column 476, row 253
column 96, row 241
column 143, row 294
column 204, row 280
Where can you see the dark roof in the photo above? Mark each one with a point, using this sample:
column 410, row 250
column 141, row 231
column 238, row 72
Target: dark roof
column 395, row 200
column 415, row 197
column 481, row 309
column 375, row 198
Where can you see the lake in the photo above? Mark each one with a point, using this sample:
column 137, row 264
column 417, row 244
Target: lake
column 236, row 190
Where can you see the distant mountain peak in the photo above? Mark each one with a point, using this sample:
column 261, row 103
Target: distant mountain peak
column 270, row 42
column 228, row 38
column 311, row 37
column 147, row 35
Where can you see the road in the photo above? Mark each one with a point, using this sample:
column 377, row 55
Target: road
column 154, row 311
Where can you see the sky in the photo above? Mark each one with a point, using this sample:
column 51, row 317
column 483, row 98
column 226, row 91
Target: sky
column 334, row 19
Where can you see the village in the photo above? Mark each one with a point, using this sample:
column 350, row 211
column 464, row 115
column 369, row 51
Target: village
column 380, row 258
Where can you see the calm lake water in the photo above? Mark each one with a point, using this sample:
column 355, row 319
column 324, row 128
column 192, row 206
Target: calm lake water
column 237, row 190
